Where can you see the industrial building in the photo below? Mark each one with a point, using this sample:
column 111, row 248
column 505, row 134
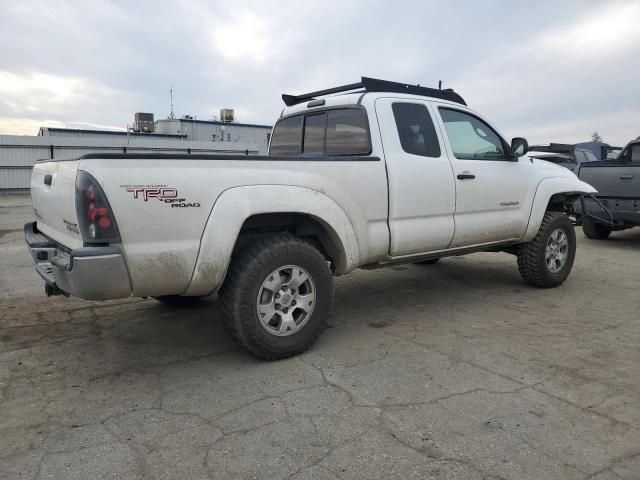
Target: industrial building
column 214, row 131
column 186, row 128
column 186, row 135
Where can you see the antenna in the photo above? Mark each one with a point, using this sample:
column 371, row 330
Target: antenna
column 171, row 115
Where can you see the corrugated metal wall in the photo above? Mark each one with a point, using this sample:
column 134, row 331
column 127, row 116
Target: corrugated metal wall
column 18, row 154
column 15, row 178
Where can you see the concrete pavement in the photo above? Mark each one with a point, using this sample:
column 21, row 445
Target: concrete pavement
column 457, row 370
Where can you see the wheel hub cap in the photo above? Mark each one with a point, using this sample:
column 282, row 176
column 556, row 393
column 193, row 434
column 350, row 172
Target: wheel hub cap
column 286, row 300
column 557, row 250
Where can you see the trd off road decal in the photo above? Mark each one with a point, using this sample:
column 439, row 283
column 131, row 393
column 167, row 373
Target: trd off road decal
column 163, row 193
column 71, row 226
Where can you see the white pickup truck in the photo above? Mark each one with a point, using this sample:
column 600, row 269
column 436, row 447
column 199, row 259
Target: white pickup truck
column 365, row 175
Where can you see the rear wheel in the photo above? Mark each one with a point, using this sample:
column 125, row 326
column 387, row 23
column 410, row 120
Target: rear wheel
column 277, row 297
column 595, row 230
column 546, row 261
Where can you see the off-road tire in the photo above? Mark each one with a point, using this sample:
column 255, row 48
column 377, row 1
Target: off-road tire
column 427, row 262
column 595, row 230
column 239, row 295
column 178, row 300
column 531, row 256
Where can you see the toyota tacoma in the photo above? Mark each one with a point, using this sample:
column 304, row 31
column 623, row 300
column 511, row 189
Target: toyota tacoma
column 365, row 175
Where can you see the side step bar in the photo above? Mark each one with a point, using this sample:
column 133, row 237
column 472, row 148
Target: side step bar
column 609, row 221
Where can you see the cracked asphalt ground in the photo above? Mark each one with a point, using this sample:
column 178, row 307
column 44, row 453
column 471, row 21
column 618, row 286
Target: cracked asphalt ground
column 452, row 371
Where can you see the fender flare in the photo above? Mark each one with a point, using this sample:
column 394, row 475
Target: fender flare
column 235, row 205
column 547, row 188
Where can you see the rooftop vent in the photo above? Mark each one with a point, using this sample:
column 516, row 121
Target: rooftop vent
column 143, row 122
column 227, row 115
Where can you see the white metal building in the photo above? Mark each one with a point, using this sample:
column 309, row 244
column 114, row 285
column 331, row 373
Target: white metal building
column 214, row 131
column 186, row 128
column 184, row 136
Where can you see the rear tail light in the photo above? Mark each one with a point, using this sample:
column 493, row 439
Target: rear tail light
column 95, row 218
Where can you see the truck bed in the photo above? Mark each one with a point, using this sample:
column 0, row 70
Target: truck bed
column 163, row 202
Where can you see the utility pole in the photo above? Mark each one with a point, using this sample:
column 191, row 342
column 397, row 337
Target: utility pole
column 171, row 115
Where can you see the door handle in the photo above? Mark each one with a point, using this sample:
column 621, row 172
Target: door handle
column 627, row 177
column 48, row 179
column 466, row 176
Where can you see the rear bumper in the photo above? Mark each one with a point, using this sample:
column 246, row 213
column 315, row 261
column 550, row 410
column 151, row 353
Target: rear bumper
column 92, row 273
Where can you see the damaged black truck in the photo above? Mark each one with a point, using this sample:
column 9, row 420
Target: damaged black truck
column 616, row 206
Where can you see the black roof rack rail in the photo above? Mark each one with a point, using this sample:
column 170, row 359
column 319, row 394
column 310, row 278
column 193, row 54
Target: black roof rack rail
column 553, row 148
column 375, row 85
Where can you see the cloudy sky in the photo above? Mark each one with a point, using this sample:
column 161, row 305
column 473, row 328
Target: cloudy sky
column 546, row 70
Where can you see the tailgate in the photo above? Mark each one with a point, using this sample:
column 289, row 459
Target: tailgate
column 53, row 193
column 612, row 179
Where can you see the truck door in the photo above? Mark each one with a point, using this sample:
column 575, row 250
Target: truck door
column 421, row 185
column 616, row 178
column 493, row 192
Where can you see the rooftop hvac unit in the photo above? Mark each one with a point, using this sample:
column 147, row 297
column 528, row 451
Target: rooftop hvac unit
column 226, row 115
column 143, row 122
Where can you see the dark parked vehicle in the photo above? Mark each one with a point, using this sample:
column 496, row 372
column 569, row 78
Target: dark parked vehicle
column 602, row 151
column 618, row 185
column 566, row 155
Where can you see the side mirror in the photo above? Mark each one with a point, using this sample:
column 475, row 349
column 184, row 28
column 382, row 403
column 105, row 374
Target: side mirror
column 519, row 147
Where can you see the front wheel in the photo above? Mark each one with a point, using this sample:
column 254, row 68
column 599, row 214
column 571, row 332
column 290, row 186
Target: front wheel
column 277, row 297
column 546, row 261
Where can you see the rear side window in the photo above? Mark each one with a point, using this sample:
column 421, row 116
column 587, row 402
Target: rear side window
column 416, row 130
column 287, row 137
column 347, row 132
column 343, row 131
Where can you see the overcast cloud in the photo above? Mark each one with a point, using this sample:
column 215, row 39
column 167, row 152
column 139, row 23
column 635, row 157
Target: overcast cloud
column 546, row 70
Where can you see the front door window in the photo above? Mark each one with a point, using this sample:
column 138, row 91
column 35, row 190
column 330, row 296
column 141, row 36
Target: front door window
column 471, row 138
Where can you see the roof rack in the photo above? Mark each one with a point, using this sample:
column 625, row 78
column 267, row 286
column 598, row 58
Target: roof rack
column 375, row 85
column 553, row 148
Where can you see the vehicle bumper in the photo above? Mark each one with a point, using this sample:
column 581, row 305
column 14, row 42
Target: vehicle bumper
column 92, row 273
column 625, row 212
